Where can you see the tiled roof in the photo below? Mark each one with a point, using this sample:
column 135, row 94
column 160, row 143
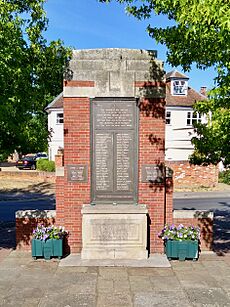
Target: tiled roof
column 175, row 74
column 183, row 101
column 57, row 103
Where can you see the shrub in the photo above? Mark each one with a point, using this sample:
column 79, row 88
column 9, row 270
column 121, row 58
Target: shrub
column 45, row 165
column 224, row 177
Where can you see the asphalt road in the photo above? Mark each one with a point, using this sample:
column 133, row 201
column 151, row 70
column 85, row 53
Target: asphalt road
column 202, row 203
column 8, row 208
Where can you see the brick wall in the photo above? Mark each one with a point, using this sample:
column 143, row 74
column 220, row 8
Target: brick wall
column 151, row 151
column 202, row 219
column 72, row 195
column 187, row 175
column 27, row 221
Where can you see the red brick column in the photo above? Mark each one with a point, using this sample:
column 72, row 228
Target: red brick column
column 151, row 151
column 77, row 151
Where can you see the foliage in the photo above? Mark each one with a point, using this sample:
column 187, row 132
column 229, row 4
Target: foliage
column 224, row 176
column 31, row 72
column 44, row 233
column 180, row 233
column 198, row 32
column 45, row 165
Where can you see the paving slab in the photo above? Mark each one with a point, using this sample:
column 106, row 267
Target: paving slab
column 44, row 283
column 154, row 261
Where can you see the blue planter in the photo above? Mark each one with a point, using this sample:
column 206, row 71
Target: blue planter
column 49, row 248
column 181, row 249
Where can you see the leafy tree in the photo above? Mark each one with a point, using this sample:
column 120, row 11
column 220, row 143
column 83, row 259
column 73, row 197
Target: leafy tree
column 200, row 33
column 31, row 73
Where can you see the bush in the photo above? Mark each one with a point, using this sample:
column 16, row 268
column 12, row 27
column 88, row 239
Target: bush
column 45, row 165
column 224, row 177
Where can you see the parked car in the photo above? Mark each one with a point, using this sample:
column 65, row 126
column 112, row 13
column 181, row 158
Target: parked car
column 41, row 155
column 27, row 162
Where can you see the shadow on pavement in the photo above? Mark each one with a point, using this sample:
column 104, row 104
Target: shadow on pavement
column 36, row 190
column 7, row 235
column 221, row 230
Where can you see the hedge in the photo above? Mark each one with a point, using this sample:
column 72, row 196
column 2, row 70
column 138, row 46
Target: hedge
column 45, row 165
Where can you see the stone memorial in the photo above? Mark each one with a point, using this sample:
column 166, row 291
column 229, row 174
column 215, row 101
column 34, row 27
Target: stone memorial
column 110, row 193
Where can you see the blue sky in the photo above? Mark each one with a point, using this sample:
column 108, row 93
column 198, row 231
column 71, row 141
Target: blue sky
column 87, row 24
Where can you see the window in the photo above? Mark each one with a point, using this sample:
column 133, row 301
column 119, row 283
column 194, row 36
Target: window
column 179, row 87
column 168, row 118
column 60, row 118
column 193, row 117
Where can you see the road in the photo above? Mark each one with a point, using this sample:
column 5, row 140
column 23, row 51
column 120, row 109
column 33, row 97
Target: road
column 202, row 203
column 8, row 208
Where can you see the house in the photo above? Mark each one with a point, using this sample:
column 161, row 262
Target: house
column 55, row 125
column 179, row 118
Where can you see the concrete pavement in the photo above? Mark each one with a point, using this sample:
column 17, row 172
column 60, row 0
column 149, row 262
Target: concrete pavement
column 26, row 282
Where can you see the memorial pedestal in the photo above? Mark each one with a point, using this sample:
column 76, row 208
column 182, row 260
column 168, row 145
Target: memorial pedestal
column 114, row 232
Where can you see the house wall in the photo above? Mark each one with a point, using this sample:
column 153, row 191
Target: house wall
column 178, row 134
column 56, row 130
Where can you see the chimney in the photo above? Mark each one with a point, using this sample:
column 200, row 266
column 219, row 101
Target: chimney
column 203, row 90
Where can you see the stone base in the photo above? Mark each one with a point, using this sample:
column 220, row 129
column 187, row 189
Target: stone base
column 114, row 232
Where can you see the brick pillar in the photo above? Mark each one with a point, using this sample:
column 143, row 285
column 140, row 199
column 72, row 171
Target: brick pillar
column 151, row 151
column 59, row 160
column 77, row 151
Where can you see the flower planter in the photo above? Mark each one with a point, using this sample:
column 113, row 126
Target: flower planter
column 47, row 249
column 181, row 250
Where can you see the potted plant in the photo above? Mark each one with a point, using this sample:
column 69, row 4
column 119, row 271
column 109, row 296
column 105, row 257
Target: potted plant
column 180, row 242
column 47, row 241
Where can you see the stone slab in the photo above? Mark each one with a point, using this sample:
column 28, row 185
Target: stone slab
column 120, row 232
column 154, row 261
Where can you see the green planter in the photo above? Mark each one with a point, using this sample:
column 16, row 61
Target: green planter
column 47, row 249
column 181, row 249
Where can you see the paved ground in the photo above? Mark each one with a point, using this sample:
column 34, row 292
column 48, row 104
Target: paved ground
column 26, row 282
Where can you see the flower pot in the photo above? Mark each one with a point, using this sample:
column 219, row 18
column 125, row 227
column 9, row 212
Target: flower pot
column 47, row 249
column 181, row 249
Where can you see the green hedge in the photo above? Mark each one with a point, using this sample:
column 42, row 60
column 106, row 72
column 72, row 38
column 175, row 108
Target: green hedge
column 45, row 165
column 224, row 177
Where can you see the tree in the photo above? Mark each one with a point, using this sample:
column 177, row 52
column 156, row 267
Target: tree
column 31, row 73
column 200, row 34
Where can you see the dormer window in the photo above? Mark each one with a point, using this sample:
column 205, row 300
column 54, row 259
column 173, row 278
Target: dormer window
column 59, row 118
column 179, row 87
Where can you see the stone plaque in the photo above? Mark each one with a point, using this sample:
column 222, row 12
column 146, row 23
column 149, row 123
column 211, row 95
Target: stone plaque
column 114, row 144
column 152, row 173
column 124, row 161
column 77, row 173
column 112, row 115
column 103, row 161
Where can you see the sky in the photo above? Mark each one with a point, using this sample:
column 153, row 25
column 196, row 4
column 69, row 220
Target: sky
column 87, row 24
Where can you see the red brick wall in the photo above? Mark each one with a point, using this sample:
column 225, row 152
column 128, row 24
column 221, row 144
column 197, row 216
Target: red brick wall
column 72, row 195
column 24, row 230
column 151, row 151
column 187, row 175
column 205, row 223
